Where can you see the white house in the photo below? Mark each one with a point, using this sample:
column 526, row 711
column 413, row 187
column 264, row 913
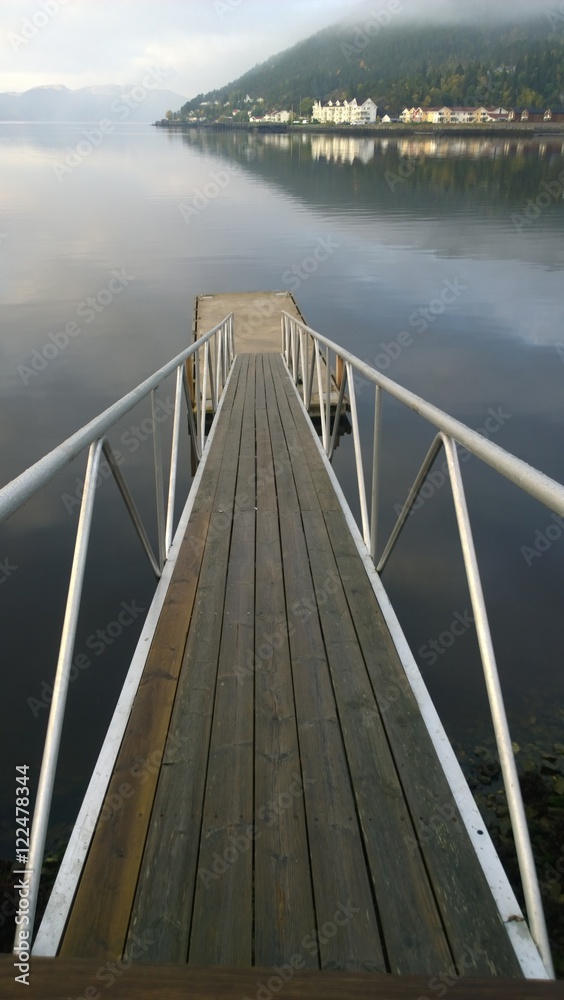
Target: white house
column 282, row 117
column 412, row 115
column 345, row 112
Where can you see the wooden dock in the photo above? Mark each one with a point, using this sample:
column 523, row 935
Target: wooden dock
column 277, row 801
column 258, row 330
column 257, row 318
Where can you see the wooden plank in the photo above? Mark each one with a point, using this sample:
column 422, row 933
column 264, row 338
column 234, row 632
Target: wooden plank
column 307, row 496
column 59, row 979
column 245, row 492
column 413, row 934
column 266, row 460
column 209, row 484
column 222, row 923
column 284, row 907
column 341, row 889
column 163, row 904
column 287, row 497
column 101, row 910
column 315, row 486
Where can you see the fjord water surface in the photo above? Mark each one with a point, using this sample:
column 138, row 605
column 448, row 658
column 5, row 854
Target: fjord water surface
column 442, row 266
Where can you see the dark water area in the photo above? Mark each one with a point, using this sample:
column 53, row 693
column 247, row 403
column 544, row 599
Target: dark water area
column 458, row 244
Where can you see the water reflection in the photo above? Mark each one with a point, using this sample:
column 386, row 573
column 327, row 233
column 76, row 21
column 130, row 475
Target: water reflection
column 448, row 218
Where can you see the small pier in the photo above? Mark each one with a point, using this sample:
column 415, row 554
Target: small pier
column 257, row 321
column 276, row 809
column 293, row 782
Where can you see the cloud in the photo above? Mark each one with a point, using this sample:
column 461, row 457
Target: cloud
column 201, row 43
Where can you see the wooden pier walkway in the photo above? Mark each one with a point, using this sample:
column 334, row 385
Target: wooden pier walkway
column 277, row 800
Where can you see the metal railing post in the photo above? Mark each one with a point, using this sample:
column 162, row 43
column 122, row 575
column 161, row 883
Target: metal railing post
column 337, row 417
column 503, row 738
column 327, row 399
column 60, row 689
column 375, row 497
column 358, row 457
column 173, row 462
column 198, row 393
column 320, row 393
column 159, row 481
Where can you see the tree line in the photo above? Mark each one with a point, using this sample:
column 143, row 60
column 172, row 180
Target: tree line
column 515, row 66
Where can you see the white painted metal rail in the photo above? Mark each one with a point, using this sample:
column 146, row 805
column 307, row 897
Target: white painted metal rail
column 304, row 350
column 204, row 381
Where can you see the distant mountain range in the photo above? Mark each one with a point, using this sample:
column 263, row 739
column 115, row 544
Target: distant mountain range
column 89, row 104
column 397, row 63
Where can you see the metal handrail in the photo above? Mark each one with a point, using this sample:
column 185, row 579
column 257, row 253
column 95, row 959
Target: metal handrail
column 218, row 349
column 302, row 351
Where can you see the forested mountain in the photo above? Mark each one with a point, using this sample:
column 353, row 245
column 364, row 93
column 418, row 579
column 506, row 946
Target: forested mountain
column 520, row 64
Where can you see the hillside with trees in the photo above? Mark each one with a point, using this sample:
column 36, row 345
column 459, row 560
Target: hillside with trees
column 512, row 65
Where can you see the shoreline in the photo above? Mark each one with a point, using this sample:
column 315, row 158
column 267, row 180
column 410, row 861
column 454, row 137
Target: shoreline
column 512, row 129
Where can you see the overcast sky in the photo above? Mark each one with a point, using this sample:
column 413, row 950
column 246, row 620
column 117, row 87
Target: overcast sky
column 201, row 44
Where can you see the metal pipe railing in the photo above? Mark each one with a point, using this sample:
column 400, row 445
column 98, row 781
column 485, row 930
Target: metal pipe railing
column 530, row 480
column 22, row 489
column 537, row 484
column 60, row 689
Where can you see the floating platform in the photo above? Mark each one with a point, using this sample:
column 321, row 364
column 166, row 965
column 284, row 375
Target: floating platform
column 257, row 321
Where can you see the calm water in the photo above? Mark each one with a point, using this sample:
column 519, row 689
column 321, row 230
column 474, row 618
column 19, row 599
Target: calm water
column 407, row 227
